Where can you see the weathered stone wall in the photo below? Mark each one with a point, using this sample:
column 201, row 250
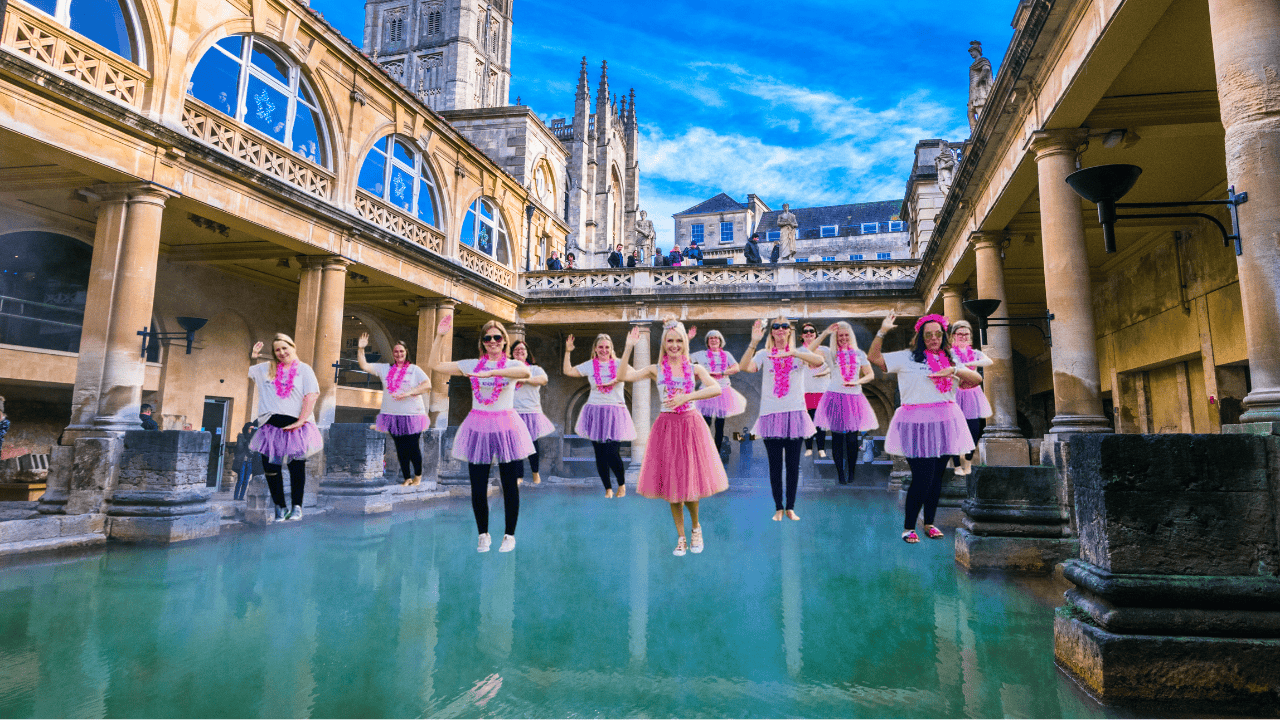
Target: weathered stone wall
column 159, row 492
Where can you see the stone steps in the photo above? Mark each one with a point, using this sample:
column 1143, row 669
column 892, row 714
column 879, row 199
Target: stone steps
column 23, row 547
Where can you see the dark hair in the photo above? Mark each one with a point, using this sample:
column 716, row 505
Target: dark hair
column 145, row 407
column 917, row 344
column 404, row 345
column 755, row 235
column 528, row 358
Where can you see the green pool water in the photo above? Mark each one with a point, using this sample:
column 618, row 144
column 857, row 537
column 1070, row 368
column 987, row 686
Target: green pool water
column 398, row 616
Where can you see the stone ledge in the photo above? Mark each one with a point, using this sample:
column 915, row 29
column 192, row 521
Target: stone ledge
column 164, row 529
column 55, row 543
column 1019, row 554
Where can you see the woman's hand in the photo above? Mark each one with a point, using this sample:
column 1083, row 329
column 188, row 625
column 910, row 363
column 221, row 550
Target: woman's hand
column 363, row 342
column 257, row 348
column 402, row 395
column 633, row 337
column 445, row 325
column 693, row 330
column 294, row 426
column 568, row 344
column 757, row 331
column 889, row 320
column 675, row 401
column 831, row 328
column 944, row 373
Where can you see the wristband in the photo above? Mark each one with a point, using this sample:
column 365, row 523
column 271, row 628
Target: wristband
column 880, row 334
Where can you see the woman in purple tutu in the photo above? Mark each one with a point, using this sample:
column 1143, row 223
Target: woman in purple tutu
column 815, row 386
column 971, row 399
column 928, row 428
column 784, row 421
column 680, row 464
column 287, row 394
column 492, row 431
column 844, row 409
column 528, row 404
column 604, row 420
column 402, row 415
column 720, row 364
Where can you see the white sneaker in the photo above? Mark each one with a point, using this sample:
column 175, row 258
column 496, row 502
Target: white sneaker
column 295, row 513
column 281, row 513
column 484, row 543
column 822, row 453
column 696, row 546
column 808, row 453
column 681, row 548
column 508, row 543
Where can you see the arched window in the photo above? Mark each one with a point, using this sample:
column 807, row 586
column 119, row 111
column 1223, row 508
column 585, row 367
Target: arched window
column 434, row 21
column 544, row 185
column 244, row 77
column 395, row 30
column 110, row 23
column 396, row 173
column 484, row 230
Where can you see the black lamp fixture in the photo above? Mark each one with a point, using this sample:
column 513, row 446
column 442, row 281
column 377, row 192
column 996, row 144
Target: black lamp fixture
column 1106, row 184
column 982, row 309
column 189, row 324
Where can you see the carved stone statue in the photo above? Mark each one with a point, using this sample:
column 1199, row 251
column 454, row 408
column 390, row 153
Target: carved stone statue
column 979, row 83
column 787, row 227
column 646, row 236
column 946, row 165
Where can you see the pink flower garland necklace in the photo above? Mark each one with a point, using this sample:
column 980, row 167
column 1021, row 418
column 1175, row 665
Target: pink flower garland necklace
column 500, row 383
column 781, row 373
column 938, row 362
column 595, row 373
column 686, row 384
column 395, row 377
column 712, row 356
column 966, row 354
column 284, row 387
column 848, row 362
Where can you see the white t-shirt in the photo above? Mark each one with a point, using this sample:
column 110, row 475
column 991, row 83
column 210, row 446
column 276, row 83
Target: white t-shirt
column 529, row 397
column 837, row 379
column 616, row 396
column 794, row 398
column 915, row 387
column 677, row 385
column 269, row 403
column 413, row 377
column 978, row 355
column 505, row 399
column 813, row 383
column 700, row 358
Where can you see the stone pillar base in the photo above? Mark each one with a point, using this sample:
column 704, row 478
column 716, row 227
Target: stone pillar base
column 164, row 529
column 1018, row 554
column 160, row 494
column 1004, row 452
column 354, row 484
column 92, row 474
column 1255, row 428
column 58, row 482
column 1144, row 668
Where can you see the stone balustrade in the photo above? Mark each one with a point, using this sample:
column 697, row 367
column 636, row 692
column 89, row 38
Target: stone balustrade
column 398, row 222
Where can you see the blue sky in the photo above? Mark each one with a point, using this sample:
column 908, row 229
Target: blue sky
column 818, row 103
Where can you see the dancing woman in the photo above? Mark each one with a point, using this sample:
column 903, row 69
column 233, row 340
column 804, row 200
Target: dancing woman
column 815, row 384
column 403, row 414
column 720, row 364
column 604, row 420
column 680, row 464
column 287, row 394
column 844, row 409
column 528, row 404
column 784, row 422
column 928, row 428
column 971, row 399
column 492, row 430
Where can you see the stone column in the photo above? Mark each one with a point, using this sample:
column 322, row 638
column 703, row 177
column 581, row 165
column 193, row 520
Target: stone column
column 640, row 395
column 1076, row 380
column 952, row 296
column 304, row 331
column 516, row 331
column 1246, row 52
column 998, row 377
column 436, row 311
column 328, row 335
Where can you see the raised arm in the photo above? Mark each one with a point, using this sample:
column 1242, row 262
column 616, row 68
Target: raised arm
column 749, row 359
column 537, row 380
column 825, row 334
column 361, row 344
column 633, row 337
column 569, row 370
column 511, row 372
column 437, row 348
column 625, row 372
column 874, row 353
column 814, row 359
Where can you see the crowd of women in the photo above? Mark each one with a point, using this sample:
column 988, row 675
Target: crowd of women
column 808, row 389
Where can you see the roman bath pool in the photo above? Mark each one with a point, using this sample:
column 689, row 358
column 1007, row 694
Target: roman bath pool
column 398, row 616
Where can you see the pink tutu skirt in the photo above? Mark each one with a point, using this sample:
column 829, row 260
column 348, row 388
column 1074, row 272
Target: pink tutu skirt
column 402, row 424
column 973, row 403
column 602, row 423
column 794, row 424
column 928, row 431
column 729, row 403
column 845, row 412
column 539, row 425
column 681, row 463
column 280, row 446
column 492, row 435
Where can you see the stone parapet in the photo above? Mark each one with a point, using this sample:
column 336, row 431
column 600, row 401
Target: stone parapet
column 1015, row 518
column 160, row 492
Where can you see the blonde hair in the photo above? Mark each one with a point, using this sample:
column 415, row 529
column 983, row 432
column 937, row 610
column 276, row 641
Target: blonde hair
column 603, row 336
column 506, row 339
column 280, row 337
column 713, row 334
column 834, row 343
column 671, row 325
column 768, row 333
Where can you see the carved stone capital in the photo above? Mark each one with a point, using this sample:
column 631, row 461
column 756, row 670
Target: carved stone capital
column 982, row 240
column 1047, row 143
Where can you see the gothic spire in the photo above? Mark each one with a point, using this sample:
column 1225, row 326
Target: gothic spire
column 631, row 107
column 602, row 93
column 584, row 87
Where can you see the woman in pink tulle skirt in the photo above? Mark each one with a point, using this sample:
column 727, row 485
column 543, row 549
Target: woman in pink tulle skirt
column 604, row 419
column 403, row 415
column 287, row 435
column 971, row 399
column 492, row 432
column 844, row 409
column 528, row 404
column 928, row 428
column 721, row 365
column 680, row 464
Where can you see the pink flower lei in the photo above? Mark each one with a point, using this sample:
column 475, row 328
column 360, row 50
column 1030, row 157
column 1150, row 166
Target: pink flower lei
column 500, row 383
column 395, row 377
column 848, row 362
column 284, row 386
column 781, row 373
column 938, row 361
column 966, row 354
column 686, row 384
column 717, row 355
column 595, row 373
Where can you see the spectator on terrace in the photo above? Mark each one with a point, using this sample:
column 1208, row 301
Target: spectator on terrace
column 615, row 257
column 145, row 416
column 554, row 262
column 568, row 262
column 694, row 253
column 633, row 259
column 751, row 252
column 777, row 252
column 675, row 257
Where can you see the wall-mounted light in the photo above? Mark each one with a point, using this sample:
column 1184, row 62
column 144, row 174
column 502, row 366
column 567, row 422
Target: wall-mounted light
column 189, row 324
column 982, row 309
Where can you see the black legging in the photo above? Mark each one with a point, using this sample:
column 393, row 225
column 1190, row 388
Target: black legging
column 275, row 481
column 409, row 451
column 819, row 437
column 975, row 431
column 777, row 448
column 609, row 457
column 508, row 473
column 533, row 460
column 845, row 445
column 717, row 426
column 926, row 489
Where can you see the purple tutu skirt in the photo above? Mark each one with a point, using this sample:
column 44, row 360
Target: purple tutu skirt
column 845, row 412
column 729, row 403
column 402, row 424
column 602, row 423
column 280, row 446
column 928, row 431
column 973, row 403
column 681, row 463
column 794, row 424
column 487, row 436
column 539, row 425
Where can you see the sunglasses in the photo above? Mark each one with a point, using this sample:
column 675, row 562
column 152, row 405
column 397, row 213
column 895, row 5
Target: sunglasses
column 933, row 334
column 781, row 326
column 808, row 331
column 492, row 338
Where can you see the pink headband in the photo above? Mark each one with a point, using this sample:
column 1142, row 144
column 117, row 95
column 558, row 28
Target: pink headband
column 932, row 318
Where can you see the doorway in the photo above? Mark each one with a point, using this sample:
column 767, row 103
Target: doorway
column 215, row 423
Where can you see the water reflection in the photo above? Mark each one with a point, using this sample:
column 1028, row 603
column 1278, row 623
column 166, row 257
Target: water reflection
column 638, row 625
column 792, row 602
